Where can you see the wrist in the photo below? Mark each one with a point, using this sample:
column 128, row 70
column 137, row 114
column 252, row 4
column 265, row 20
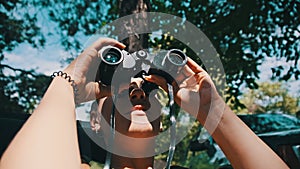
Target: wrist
column 61, row 92
column 71, row 83
column 214, row 114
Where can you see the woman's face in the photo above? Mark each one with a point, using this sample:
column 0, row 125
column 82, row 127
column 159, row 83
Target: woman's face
column 137, row 116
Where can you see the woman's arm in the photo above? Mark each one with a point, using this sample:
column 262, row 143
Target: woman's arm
column 241, row 146
column 197, row 94
column 49, row 138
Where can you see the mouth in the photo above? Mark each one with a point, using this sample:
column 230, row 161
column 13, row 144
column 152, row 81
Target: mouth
column 138, row 107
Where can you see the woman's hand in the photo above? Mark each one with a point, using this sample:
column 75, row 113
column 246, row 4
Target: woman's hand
column 194, row 90
column 84, row 68
column 95, row 117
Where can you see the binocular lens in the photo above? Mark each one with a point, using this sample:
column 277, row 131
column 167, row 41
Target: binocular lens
column 177, row 57
column 112, row 55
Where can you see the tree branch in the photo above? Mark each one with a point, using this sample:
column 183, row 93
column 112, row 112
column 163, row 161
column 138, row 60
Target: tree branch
column 18, row 70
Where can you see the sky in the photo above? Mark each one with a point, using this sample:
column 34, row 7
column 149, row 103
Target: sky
column 42, row 61
column 51, row 58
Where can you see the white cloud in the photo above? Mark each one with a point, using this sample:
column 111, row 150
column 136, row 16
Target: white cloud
column 41, row 60
column 292, row 84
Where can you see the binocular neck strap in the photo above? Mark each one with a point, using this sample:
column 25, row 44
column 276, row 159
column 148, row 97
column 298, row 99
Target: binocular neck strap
column 172, row 128
column 112, row 131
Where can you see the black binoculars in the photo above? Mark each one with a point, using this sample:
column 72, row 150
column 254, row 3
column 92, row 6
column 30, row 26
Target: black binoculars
column 122, row 64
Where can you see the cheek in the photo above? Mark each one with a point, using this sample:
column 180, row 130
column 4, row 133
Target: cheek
column 122, row 123
column 154, row 111
column 123, row 105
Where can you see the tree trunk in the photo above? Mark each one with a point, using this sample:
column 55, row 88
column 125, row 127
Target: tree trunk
column 135, row 41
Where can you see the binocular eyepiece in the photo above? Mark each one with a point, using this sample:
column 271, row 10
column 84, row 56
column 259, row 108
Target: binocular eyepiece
column 111, row 56
column 113, row 59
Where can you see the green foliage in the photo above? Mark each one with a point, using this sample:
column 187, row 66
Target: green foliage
column 22, row 90
column 243, row 32
column 76, row 17
column 200, row 160
column 18, row 25
column 96, row 165
column 269, row 98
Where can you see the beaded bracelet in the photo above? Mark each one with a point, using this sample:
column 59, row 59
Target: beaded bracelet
column 69, row 79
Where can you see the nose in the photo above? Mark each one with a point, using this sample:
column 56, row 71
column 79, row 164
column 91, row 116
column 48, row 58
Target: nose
column 137, row 96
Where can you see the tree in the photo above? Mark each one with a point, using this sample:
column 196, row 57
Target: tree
column 21, row 90
column 127, row 7
column 269, row 98
column 243, row 32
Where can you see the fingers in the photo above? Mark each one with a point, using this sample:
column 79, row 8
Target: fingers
column 105, row 42
column 84, row 70
column 190, row 69
column 194, row 66
column 95, row 117
column 158, row 80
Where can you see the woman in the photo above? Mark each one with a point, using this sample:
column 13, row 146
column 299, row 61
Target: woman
column 49, row 136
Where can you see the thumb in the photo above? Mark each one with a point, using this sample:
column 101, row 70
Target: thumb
column 205, row 84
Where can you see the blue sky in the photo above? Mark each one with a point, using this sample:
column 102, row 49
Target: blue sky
column 51, row 58
column 41, row 60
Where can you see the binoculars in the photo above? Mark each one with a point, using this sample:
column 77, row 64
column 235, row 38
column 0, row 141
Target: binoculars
column 121, row 64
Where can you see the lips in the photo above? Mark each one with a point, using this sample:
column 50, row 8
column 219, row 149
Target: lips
column 137, row 107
